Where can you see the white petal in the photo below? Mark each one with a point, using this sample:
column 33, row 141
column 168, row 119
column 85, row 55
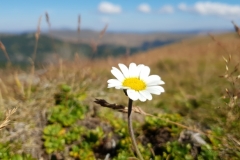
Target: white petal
column 139, row 68
column 114, row 68
column 155, row 89
column 133, row 95
column 124, row 70
column 156, row 83
column 115, row 81
column 140, row 65
column 119, row 87
column 132, row 69
column 117, row 74
column 144, row 72
column 154, row 80
column 146, row 94
column 137, row 71
column 114, row 85
column 142, row 97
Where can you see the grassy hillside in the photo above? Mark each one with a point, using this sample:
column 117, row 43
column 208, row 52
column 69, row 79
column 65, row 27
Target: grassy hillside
column 57, row 118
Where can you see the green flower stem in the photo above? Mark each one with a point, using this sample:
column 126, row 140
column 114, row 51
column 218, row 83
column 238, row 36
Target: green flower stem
column 130, row 128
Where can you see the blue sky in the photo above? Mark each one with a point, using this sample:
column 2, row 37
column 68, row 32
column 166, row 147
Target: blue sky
column 120, row 15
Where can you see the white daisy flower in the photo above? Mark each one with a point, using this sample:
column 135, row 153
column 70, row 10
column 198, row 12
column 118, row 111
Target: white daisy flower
column 136, row 81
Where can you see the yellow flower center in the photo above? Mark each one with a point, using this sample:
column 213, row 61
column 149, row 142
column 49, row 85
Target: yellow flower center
column 134, row 83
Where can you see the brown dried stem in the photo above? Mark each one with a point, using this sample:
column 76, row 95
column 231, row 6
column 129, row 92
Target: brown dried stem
column 3, row 48
column 237, row 29
column 49, row 30
column 7, row 118
column 78, row 29
column 37, row 35
column 103, row 31
column 218, row 43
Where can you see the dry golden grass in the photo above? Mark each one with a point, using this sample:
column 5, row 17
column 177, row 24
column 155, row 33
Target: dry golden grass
column 6, row 121
column 37, row 35
column 200, row 47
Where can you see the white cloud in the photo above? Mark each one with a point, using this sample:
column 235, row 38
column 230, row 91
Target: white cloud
column 145, row 8
column 106, row 7
column 166, row 9
column 212, row 8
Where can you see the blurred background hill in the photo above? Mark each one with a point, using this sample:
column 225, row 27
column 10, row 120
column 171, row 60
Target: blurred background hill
column 65, row 44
